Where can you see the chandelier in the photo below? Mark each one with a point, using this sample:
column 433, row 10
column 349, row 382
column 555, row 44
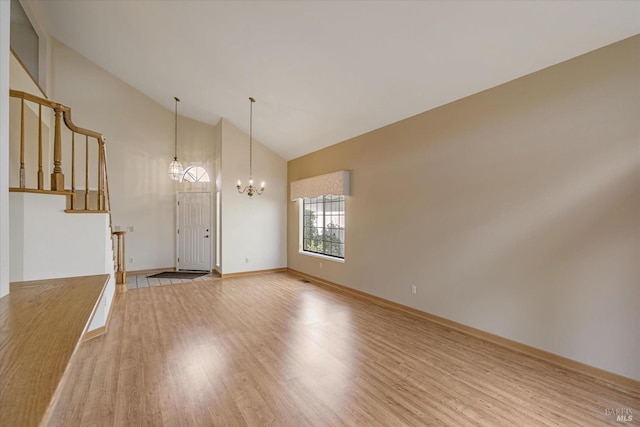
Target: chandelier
column 250, row 189
column 175, row 167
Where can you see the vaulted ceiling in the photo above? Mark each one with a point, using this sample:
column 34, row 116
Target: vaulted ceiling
column 326, row 71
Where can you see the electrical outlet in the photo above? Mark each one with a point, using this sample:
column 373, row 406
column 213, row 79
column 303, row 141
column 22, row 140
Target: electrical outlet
column 320, row 265
column 130, row 229
column 246, row 260
column 414, row 289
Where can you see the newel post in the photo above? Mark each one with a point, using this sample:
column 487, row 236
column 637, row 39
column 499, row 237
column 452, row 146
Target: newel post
column 57, row 177
column 121, row 273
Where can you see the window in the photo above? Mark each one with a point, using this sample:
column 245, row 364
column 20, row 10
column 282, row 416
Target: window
column 323, row 222
column 24, row 39
column 195, row 174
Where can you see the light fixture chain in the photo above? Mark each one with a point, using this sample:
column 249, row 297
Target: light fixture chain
column 250, row 189
column 175, row 152
column 175, row 167
column 251, row 137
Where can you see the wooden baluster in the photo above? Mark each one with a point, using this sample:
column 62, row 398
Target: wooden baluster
column 57, row 177
column 40, row 173
column 73, row 170
column 100, row 173
column 121, row 273
column 86, row 173
column 22, row 176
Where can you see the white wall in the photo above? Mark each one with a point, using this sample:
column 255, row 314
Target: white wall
column 5, row 15
column 253, row 229
column 217, row 197
column 140, row 141
column 140, row 144
column 46, row 242
column 104, row 305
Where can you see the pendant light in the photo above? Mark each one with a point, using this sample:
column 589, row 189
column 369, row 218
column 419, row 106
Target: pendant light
column 175, row 167
column 250, row 189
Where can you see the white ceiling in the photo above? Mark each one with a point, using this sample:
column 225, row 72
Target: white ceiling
column 326, row 71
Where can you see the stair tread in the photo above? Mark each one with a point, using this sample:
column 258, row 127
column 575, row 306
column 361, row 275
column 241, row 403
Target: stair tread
column 44, row 321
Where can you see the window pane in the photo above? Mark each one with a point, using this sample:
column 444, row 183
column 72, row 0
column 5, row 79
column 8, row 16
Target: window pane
column 323, row 225
column 24, row 39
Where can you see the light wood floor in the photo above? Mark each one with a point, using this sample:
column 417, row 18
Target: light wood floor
column 272, row 350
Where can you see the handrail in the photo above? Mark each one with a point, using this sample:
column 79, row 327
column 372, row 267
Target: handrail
column 34, row 98
column 54, row 105
column 67, row 121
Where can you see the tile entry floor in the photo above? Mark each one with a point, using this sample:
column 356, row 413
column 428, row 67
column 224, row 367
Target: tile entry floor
column 135, row 281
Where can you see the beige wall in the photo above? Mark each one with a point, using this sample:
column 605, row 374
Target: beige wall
column 140, row 145
column 515, row 211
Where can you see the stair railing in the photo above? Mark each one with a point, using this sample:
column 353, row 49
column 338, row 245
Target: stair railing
column 94, row 143
column 118, row 243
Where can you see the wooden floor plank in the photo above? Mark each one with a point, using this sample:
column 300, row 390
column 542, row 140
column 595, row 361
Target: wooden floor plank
column 271, row 350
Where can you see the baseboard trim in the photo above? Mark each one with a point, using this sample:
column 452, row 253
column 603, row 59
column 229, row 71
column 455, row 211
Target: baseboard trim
column 616, row 380
column 85, row 211
column 36, row 191
column 253, row 273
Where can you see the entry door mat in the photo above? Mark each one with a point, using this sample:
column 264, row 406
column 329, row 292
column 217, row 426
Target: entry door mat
column 177, row 275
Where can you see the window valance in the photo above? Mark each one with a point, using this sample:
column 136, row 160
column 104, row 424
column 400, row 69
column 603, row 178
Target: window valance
column 336, row 183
